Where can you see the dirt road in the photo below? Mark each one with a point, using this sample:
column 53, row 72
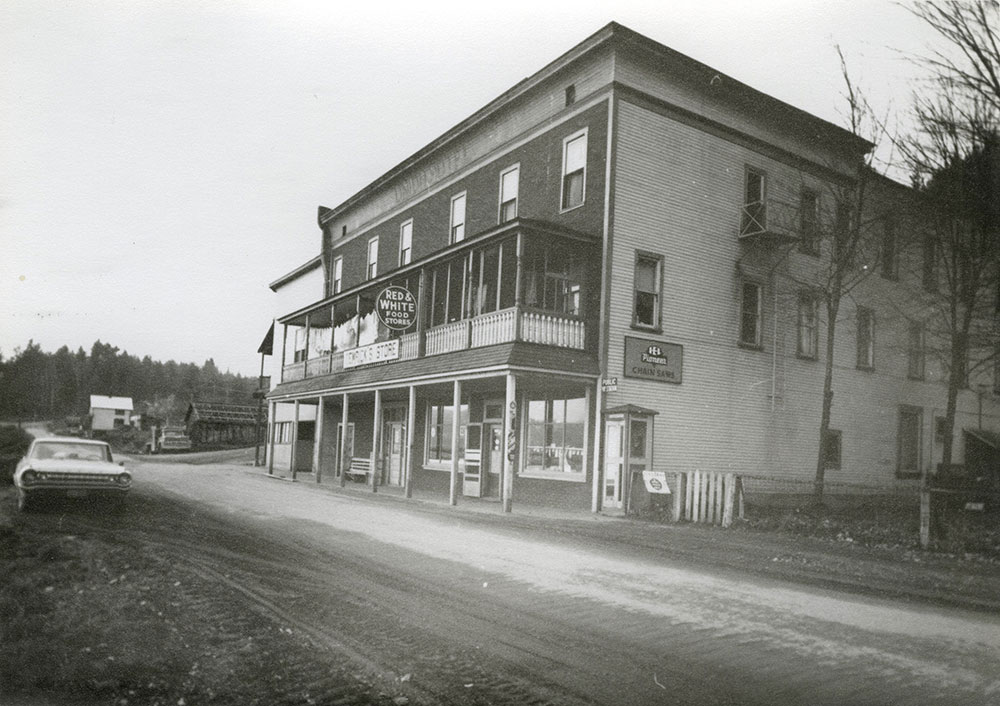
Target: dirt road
column 434, row 606
column 501, row 615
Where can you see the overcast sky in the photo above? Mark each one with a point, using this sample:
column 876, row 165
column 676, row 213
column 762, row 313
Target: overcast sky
column 162, row 162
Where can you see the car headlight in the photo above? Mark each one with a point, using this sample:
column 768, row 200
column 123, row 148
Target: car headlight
column 124, row 479
column 29, row 476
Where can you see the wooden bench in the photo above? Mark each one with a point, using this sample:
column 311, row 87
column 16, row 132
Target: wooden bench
column 359, row 469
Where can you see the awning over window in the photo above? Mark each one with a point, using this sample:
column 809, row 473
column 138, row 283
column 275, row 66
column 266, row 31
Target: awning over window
column 632, row 409
column 267, row 345
column 985, row 436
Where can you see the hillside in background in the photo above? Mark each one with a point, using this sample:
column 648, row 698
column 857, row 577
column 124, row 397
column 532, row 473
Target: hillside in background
column 39, row 385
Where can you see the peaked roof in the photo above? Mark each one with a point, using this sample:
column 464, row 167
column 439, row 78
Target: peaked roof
column 221, row 412
column 105, row 402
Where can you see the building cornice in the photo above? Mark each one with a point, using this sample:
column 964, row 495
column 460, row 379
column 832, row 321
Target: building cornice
column 296, row 273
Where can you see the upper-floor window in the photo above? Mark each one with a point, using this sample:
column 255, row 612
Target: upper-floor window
column 750, row 314
column 809, row 222
column 832, row 449
column 929, row 272
column 372, row 268
column 574, row 170
column 508, row 193
column 553, row 277
column 648, row 275
column 808, row 338
column 570, row 94
column 841, row 229
column 458, row 217
column 866, row 338
column 890, row 249
column 406, row 242
column 754, row 213
column 996, row 371
column 915, row 351
column 338, row 274
column 908, row 441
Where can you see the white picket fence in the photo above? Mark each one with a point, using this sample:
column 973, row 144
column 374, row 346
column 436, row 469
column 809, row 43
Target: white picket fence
column 711, row 498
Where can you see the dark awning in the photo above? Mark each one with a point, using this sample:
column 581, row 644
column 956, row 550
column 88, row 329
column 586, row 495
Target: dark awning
column 632, row 409
column 985, row 436
column 267, row 345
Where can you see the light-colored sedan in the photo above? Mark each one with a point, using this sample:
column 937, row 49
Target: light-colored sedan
column 69, row 467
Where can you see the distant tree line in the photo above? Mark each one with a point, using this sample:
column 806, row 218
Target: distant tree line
column 39, row 385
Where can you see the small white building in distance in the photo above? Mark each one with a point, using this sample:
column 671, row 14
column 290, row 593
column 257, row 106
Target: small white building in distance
column 109, row 412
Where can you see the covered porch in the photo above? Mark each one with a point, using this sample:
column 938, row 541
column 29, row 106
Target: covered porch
column 487, row 437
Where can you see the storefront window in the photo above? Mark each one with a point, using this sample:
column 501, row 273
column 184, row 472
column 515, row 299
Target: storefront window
column 440, row 419
column 556, row 435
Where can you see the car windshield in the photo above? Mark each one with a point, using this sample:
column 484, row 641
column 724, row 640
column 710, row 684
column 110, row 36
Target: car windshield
column 71, row 450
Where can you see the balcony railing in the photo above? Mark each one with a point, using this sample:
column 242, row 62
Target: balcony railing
column 504, row 326
column 770, row 220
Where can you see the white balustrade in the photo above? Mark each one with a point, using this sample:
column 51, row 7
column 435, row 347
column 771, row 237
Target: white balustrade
column 495, row 327
column 448, row 338
column 318, row 366
column 409, row 345
column 552, row 330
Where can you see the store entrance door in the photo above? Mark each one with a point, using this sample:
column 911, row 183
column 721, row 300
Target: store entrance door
column 395, row 433
column 472, row 474
column 492, row 457
column 614, row 462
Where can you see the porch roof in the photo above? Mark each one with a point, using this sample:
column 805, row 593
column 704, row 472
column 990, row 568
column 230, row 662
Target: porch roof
column 524, row 356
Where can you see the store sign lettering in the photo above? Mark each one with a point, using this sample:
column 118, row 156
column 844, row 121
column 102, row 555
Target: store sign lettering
column 653, row 360
column 375, row 353
column 396, row 308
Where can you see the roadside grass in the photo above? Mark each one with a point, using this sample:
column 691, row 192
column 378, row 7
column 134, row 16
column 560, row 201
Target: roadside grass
column 83, row 619
column 89, row 621
column 239, row 457
column 886, row 523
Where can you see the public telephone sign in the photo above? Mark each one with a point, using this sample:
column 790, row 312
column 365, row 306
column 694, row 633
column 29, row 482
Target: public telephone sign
column 653, row 360
column 396, row 308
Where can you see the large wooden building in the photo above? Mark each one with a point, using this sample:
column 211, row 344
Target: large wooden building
column 604, row 271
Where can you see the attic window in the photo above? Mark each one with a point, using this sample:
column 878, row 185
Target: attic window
column 570, row 94
column 343, row 231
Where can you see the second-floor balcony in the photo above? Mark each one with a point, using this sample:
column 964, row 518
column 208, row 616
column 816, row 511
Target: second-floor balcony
column 519, row 284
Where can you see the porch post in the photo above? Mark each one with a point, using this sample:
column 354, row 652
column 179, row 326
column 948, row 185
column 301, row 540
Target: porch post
column 518, row 283
column 456, row 402
column 411, row 421
column 295, row 438
column 305, row 353
column 318, row 441
column 272, row 410
column 511, row 450
column 284, row 346
column 595, row 500
column 422, row 304
column 345, row 463
column 376, row 440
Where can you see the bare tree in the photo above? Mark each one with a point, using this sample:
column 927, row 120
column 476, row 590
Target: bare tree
column 954, row 158
column 968, row 62
column 854, row 248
